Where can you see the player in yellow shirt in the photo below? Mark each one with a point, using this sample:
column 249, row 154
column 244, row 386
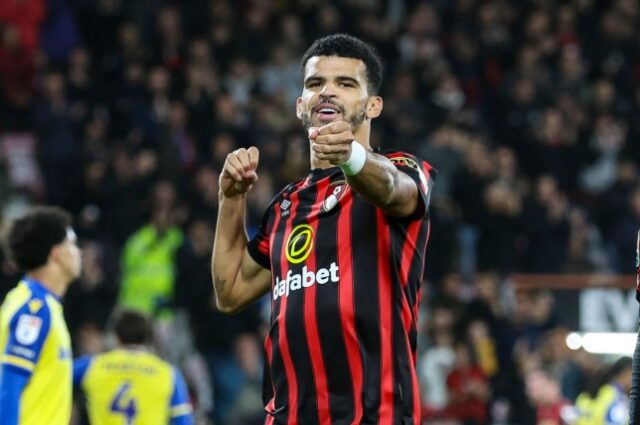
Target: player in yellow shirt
column 130, row 385
column 35, row 348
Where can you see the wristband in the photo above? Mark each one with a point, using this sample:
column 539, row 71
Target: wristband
column 354, row 164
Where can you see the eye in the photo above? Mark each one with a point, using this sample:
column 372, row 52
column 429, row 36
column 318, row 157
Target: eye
column 311, row 84
column 346, row 84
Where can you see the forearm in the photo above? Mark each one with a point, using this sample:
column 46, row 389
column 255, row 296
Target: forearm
column 382, row 184
column 229, row 245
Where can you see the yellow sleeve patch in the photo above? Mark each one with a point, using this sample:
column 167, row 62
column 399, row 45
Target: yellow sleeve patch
column 35, row 305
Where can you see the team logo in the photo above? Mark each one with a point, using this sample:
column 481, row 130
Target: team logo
column 28, row 329
column 35, row 305
column 336, row 191
column 299, row 243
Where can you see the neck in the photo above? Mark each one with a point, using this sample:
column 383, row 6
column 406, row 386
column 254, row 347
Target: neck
column 361, row 135
column 50, row 280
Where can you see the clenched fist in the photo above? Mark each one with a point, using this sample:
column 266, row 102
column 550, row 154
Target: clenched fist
column 332, row 142
column 239, row 172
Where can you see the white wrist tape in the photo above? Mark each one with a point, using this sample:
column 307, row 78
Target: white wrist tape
column 355, row 163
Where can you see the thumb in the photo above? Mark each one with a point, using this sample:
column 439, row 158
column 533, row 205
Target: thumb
column 313, row 132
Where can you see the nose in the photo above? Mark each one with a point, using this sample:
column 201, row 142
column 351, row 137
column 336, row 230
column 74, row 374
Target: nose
column 328, row 90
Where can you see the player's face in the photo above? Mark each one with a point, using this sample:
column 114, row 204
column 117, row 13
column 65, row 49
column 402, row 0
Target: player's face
column 70, row 256
column 335, row 89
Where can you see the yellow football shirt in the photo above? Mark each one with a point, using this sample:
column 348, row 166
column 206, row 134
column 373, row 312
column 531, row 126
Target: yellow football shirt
column 34, row 341
column 132, row 387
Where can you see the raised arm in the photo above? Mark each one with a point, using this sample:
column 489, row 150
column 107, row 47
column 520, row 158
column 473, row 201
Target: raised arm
column 238, row 280
column 371, row 175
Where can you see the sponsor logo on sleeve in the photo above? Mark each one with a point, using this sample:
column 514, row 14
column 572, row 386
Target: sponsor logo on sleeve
column 404, row 161
column 28, row 329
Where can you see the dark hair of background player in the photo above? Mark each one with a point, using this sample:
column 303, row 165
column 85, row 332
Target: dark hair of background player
column 30, row 238
column 347, row 46
column 132, row 327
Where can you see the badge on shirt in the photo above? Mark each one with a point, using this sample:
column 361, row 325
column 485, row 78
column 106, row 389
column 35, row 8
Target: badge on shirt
column 335, row 192
column 28, row 329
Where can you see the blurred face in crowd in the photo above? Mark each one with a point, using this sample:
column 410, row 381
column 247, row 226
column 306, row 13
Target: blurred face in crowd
column 335, row 89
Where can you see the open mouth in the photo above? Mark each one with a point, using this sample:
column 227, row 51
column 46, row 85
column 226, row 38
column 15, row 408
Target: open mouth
column 327, row 111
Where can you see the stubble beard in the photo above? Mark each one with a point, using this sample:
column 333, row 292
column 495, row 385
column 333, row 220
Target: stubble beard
column 355, row 119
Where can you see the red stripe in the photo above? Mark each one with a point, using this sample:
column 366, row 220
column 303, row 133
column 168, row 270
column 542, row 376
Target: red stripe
column 347, row 307
column 386, row 320
column 269, row 420
column 282, row 330
column 409, row 250
column 311, row 321
column 408, row 256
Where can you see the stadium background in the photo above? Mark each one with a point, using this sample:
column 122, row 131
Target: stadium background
column 123, row 112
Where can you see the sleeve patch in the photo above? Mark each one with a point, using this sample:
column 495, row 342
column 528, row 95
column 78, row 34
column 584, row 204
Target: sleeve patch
column 404, row 161
column 28, row 329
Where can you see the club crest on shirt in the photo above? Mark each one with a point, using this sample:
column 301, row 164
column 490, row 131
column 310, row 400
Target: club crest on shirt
column 334, row 193
column 28, row 329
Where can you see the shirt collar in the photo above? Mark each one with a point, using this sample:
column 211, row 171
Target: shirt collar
column 38, row 287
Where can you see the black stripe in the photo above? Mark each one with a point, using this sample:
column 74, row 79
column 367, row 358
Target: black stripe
column 278, row 375
column 401, row 366
column 296, row 331
column 334, row 350
column 365, row 277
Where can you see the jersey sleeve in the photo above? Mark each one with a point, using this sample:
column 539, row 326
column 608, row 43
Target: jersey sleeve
column 421, row 172
column 80, row 367
column 28, row 330
column 181, row 410
column 258, row 246
column 12, row 383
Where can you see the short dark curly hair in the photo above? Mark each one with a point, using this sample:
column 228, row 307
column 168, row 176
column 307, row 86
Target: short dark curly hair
column 132, row 327
column 31, row 237
column 348, row 46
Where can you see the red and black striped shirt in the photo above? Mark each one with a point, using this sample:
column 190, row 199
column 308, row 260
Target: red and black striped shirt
column 341, row 347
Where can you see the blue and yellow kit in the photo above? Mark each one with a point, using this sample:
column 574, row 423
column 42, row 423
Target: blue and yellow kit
column 132, row 387
column 36, row 361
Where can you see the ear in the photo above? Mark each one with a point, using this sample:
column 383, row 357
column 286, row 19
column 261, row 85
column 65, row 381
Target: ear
column 299, row 108
column 54, row 254
column 374, row 107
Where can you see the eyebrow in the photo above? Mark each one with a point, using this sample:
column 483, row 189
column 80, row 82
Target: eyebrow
column 342, row 78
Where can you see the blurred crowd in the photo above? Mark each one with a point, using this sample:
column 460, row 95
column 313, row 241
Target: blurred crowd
column 123, row 112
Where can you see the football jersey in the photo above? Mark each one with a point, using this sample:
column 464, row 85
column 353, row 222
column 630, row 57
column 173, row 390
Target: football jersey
column 34, row 340
column 346, row 278
column 132, row 387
